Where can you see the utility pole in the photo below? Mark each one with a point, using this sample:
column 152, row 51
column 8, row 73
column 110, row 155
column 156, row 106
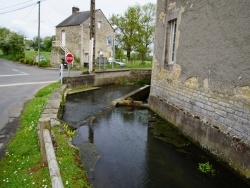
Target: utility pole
column 92, row 29
column 38, row 37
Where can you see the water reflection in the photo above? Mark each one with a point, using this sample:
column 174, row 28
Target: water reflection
column 129, row 155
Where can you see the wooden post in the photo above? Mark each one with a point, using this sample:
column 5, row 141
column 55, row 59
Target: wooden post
column 44, row 123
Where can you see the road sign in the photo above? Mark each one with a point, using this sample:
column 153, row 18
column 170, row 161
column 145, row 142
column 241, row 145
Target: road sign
column 69, row 58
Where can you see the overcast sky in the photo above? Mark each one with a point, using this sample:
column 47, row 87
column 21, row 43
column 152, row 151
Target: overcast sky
column 25, row 20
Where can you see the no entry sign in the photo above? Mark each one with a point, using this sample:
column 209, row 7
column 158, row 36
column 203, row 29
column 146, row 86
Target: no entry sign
column 69, row 58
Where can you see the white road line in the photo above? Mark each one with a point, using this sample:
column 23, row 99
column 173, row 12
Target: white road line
column 15, row 70
column 23, row 74
column 28, row 83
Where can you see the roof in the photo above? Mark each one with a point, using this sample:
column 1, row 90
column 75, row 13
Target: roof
column 75, row 19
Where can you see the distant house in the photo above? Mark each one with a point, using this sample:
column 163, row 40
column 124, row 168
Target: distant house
column 73, row 35
column 201, row 74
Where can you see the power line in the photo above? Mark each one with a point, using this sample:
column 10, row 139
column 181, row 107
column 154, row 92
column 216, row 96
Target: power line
column 24, row 17
column 20, row 8
column 16, row 9
column 15, row 5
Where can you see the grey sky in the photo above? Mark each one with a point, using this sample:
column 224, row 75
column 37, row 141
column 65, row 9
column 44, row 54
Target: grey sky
column 53, row 12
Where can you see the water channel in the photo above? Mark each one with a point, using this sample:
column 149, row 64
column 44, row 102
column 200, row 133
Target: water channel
column 133, row 147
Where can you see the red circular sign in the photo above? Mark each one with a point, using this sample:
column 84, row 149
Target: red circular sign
column 69, row 58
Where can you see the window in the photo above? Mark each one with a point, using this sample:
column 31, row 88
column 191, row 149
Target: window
column 171, row 43
column 99, row 24
column 109, row 40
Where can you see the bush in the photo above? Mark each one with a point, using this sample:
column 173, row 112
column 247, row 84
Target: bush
column 22, row 60
column 77, row 59
column 44, row 64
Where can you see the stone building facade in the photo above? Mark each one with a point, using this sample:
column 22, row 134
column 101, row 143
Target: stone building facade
column 74, row 34
column 201, row 74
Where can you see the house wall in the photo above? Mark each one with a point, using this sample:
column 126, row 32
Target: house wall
column 210, row 78
column 73, row 37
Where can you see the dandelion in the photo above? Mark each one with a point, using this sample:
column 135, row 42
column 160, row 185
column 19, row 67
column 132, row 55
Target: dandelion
column 33, row 183
column 67, row 182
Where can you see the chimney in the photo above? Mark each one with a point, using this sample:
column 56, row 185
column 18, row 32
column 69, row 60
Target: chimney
column 75, row 9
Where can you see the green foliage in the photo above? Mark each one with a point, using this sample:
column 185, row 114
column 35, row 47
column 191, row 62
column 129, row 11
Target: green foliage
column 21, row 167
column 44, row 64
column 32, row 54
column 206, row 168
column 134, row 30
column 70, row 165
column 11, row 43
column 69, row 132
column 45, row 43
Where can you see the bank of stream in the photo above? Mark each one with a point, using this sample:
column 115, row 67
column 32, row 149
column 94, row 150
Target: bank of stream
column 133, row 147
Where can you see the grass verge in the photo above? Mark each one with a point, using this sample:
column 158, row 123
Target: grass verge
column 21, row 166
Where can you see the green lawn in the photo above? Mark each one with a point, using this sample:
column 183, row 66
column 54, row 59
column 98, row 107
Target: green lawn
column 32, row 54
column 21, row 166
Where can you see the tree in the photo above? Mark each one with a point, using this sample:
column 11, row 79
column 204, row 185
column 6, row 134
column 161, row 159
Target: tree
column 47, row 43
column 135, row 29
column 146, row 30
column 126, row 28
column 12, row 43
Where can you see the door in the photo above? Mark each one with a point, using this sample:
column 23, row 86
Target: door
column 63, row 38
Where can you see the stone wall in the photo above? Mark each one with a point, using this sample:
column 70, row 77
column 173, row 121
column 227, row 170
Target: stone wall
column 111, row 76
column 209, row 79
column 79, row 81
column 108, row 77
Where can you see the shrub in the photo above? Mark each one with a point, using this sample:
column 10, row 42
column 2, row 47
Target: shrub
column 44, row 64
column 22, row 60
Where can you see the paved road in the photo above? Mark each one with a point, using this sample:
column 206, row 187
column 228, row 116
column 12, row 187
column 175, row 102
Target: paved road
column 18, row 84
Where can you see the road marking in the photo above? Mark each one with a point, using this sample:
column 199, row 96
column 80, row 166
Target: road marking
column 23, row 74
column 28, row 83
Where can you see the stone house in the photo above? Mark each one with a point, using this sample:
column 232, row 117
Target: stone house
column 73, row 35
column 201, row 74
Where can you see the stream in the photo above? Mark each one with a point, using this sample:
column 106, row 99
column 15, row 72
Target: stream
column 133, row 147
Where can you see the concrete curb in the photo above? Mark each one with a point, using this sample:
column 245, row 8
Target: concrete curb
column 53, row 106
column 50, row 114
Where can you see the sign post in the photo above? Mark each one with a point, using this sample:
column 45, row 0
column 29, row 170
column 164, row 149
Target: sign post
column 61, row 73
column 69, row 58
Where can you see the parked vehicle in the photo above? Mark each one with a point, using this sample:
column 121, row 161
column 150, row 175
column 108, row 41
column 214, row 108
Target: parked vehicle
column 120, row 63
column 42, row 58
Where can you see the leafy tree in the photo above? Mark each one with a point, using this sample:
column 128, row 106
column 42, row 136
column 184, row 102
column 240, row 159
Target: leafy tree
column 146, row 30
column 135, row 29
column 29, row 43
column 47, row 43
column 126, row 28
column 11, row 43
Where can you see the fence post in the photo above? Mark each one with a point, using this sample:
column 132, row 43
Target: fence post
column 44, row 123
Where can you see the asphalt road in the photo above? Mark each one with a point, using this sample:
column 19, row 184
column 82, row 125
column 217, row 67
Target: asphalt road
column 18, row 84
